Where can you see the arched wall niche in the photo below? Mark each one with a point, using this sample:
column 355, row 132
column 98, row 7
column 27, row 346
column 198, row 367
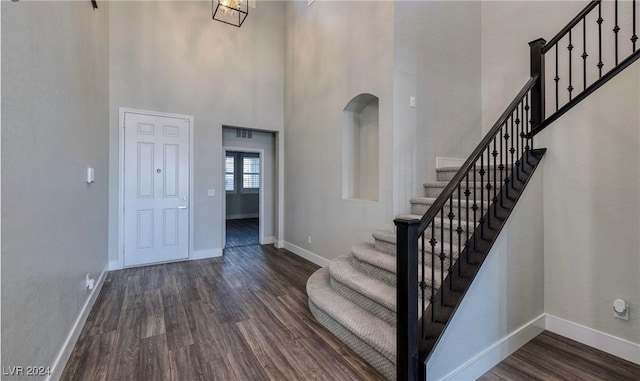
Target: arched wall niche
column 360, row 148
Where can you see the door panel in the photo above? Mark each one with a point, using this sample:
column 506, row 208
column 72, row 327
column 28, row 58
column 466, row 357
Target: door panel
column 156, row 189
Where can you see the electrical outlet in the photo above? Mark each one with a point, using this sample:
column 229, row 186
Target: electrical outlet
column 412, row 101
column 90, row 282
column 309, row 239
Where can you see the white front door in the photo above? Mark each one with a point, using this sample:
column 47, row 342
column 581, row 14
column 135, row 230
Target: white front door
column 156, row 189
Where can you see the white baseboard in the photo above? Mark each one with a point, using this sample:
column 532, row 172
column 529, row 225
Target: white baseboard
column 114, row 264
column 490, row 357
column 65, row 352
column 605, row 342
column 204, row 254
column 306, row 254
column 268, row 240
column 279, row 244
column 242, row 216
column 445, row 162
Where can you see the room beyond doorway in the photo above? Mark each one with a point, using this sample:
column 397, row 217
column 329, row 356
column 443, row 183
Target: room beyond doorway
column 249, row 183
column 243, row 232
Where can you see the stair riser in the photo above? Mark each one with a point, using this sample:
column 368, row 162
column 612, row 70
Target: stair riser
column 371, row 306
column 434, row 191
column 380, row 362
column 448, row 175
column 375, row 272
column 421, row 209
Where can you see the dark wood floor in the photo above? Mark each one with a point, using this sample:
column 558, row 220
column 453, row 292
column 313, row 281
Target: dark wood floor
column 241, row 317
column 244, row 232
column 553, row 357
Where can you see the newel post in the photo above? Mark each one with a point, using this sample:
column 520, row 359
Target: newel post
column 537, row 92
column 407, row 299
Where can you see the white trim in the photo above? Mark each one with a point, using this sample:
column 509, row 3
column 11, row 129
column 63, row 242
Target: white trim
column 67, row 347
column 260, row 153
column 605, row 342
column 446, row 162
column 122, row 112
column 268, row 240
column 242, row 216
column 203, row 254
column 306, row 254
column 490, row 357
column 279, row 244
column 280, row 188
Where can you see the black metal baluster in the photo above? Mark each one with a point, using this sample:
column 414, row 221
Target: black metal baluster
column 423, row 286
column 481, row 195
column 459, row 230
column 634, row 37
column 523, row 126
column 599, row 21
column 475, row 204
column 506, row 157
column 443, row 256
column 502, row 166
column 517, row 139
column 495, row 172
column 528, row 136
column 451, row 217
column 556, row 78
column 616, row 29
column 467, row 193
column 570, row 48
column 584, row 53
column 488, row 186
column 433, row 241
column 512, row 150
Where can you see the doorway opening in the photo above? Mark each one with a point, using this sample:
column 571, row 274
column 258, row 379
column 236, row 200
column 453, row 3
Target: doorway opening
column 242, row 175
column 249, row 171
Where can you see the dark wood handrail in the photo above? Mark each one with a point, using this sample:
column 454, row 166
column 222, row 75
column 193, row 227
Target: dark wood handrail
column 570, row 25
column 475, row 155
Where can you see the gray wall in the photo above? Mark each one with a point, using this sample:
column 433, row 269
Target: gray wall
column 54, row 126
column 266, row 141
column 591, row 172
column 334, row 51
column 507, row 293
column 171, row 57
column 437, row 59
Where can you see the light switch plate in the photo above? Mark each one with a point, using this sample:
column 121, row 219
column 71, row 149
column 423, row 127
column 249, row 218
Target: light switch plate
column 211, row 193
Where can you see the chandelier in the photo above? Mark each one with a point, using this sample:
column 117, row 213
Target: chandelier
column 232, row 12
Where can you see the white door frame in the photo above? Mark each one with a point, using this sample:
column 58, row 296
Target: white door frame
column 260, row 152
column 122, row 112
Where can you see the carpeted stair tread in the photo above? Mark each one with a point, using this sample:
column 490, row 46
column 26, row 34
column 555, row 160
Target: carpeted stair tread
column 377, row 334
column 366, row 252
column 376, row 290
column 389, row 237
column 447, row 173
column 431, row 200
column 437, row 222
column 442, row 184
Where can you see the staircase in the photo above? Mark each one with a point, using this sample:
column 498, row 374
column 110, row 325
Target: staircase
column 355, row 296
column 392, row 308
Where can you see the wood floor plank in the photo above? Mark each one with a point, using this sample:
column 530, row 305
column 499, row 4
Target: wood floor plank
column 552, row 357
column 241, row 317
column 154, row 362
column 125, row 354
column 272, row 360
column 186, row 364
column 153, row 314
